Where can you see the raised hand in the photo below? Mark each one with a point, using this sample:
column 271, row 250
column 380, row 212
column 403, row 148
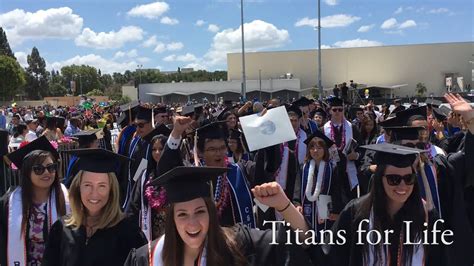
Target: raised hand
column 180, row 124
column 460, row 106
column 271, row 194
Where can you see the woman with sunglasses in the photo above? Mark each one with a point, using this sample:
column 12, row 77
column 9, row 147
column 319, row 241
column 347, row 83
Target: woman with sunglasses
column 393, row 199
column 96, row 232
column 28, row 211
column 194, row 236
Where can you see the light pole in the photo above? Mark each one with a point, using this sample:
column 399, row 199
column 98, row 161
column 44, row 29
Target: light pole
column 320, row 83
column 260, row 83
column 139, row 81
column 244, row 86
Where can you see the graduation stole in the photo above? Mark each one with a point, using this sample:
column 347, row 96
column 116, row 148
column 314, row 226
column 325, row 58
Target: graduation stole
column 282, row 172
column 129, row 130
column 429, row 185
column 243, row 197
column 351, row 168
column 322, row 186
column 74, row 158
column 300, row 138
column 417, row 258
column 145, row 210
column 155, row 256
column 16, row 239
column 133, row 146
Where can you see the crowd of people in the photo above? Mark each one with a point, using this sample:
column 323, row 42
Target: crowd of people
column 179, row 185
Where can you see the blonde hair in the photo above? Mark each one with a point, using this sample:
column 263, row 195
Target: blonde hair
column 111, row 212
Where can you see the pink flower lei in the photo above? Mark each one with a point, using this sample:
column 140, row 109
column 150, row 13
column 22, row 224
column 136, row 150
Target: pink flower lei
column 156, row 197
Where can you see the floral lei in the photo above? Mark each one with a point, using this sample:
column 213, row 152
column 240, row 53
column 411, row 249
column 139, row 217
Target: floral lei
column 333, row 135
column 156, row 197
column 222, row 194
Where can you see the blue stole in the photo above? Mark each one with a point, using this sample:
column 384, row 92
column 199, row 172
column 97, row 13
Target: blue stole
column 313, row 126
column 242, row 195
column 133, row 145
column 310, row 209
column 433, row 186
column 125, row 134
column 69, row 168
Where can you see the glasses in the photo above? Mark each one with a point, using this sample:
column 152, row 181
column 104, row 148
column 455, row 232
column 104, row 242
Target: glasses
column 395, row 180
column 39, row 169
column 337, row 109
column 315, row 148
column 217, row 150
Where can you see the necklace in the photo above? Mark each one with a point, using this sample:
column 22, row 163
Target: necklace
column 221, row 194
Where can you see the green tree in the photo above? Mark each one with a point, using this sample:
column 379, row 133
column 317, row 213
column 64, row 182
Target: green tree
column 12, row 77
column 4, row 45
column 420, row 89
column 95, row 92
column 85, row 77
column 56, row 89
column 37, row 76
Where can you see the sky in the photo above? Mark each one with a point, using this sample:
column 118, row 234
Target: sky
column 119, row 35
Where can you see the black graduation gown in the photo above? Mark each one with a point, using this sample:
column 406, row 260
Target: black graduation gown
column 456, row 193
column 351, row 254
column 267, row 162
column 255, row 245
column 143, row 150
column 4, row 227
column 110, row 246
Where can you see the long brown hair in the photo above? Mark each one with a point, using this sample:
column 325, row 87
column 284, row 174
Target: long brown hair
column 34, row 158
column 111, row 212
column 316, row 142
column 222, row 249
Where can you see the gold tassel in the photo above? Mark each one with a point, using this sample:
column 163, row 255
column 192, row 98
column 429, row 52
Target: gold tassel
column 195, row 152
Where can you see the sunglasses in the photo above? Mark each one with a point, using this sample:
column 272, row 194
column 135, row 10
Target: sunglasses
column 39, row 169
column 337, row 109
column 395, row 180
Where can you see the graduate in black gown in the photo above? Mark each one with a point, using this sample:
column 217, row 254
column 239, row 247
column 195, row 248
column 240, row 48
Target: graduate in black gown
column 393, row 198
column 28, row 211
column 96, row 232
column 140, row 147
column 194, row 236
column 232, row 190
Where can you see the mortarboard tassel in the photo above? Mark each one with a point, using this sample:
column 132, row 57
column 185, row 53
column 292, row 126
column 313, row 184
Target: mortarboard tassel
column 195, row 152
column 153, row 117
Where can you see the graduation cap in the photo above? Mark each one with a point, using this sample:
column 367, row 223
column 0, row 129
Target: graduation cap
column 433, row 102
column 405, row 115
column 219, row 115
column 161, row 129
column 303, row 101
column 440, row 114
column 396, row 155
column 88, row 136
column 295, row 109
column 98, row 160
column 404, row 132
column 187, row 110
column 335, row 101
column 144, row 113
column 397, row 100
column 319, row 134
column 42, row 143
column 210, row 130
column 128, row 113
column 187, row 183
column 320, row 112
column 392, row 122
